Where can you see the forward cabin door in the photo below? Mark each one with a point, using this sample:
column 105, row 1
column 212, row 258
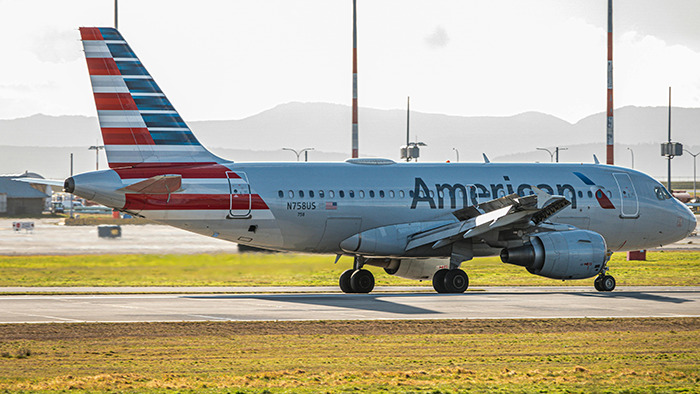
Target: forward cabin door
column 629, row 205
column 240, row 200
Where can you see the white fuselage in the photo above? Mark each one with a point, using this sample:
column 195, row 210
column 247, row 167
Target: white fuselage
column 313, row 207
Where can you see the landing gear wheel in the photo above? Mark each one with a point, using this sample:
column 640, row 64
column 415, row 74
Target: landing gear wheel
column 607, row 283
column 456, row 281
column 362, row 281
column 344, row 281
column 596, row 283
column 439, row 281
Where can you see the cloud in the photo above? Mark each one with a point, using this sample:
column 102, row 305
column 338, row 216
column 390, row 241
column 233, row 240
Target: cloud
column 57, row 46
column 438, row 38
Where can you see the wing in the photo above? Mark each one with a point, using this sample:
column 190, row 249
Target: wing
column 508, row 211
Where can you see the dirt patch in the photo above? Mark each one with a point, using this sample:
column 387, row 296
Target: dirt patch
column 60, row 331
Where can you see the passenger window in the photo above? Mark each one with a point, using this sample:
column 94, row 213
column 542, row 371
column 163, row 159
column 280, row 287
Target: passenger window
column 280, row 193
column 291, row 194
column 311, row 194
column 410, row 193
column 391, row 194
column 320, row 193
column 590, row 194
column 361, row 193
column 301, row 194
column 580, row 194
column 351, row 193
column 331, row 194
column 341, row 194
column 402, row 194
column 381, row 193
column 371, row 193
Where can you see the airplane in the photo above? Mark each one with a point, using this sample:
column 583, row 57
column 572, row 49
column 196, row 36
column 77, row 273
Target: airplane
column 415, row 220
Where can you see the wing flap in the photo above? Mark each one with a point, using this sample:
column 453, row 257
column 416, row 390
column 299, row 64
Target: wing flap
column 499, row 213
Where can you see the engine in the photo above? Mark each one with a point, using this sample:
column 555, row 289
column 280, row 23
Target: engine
column 418, row 269
column 575, row 254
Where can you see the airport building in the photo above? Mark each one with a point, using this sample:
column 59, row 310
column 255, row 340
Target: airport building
column 20, row 198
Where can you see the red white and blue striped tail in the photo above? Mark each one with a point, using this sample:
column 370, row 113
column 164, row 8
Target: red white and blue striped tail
column 139, row 125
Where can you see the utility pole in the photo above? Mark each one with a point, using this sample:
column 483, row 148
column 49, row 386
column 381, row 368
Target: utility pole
column 632, row 153
column 116, row 14
column 355, row 131
column 97, row 149
column 695, row 168
column 554, row 154
column 71, row 194
column 610, row 130
column 670, row 190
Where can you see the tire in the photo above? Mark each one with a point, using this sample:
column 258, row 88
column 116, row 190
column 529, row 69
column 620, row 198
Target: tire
column 607, row 283
column 362, row 281
column 596, row 283
column 456, row 281
column 439, row 281
column 344, row 281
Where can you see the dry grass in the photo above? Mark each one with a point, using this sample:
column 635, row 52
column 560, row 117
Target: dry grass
column 569, row 355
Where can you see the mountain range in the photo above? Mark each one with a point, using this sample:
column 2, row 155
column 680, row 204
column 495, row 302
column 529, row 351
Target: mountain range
column 39, row 143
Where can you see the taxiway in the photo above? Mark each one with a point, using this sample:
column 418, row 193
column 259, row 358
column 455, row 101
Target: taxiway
column 480, row 303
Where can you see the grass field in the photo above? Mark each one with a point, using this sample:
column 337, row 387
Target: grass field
column 565, row 355
column 661, row 269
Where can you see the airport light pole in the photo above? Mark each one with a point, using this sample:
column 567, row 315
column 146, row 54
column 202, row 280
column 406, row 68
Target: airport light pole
column 695, row 190
column 457, row 152
column 632, row 153
column 97, row 149
column 551, row 154
column 305, row 150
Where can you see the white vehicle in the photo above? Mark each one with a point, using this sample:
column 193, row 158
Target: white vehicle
column 419, row 221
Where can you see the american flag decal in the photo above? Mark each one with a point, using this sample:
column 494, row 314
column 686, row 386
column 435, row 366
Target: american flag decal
column 331, row 205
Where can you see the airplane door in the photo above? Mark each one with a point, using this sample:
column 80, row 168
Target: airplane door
column 240, row 201
column 629, row 205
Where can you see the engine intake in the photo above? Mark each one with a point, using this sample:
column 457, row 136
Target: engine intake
column 576, row 254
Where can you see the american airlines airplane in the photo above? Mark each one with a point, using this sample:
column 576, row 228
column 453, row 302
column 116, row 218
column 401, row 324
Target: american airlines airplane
column 417, row 221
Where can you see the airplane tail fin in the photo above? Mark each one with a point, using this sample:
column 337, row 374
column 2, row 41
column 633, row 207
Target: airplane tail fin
column 140, row 127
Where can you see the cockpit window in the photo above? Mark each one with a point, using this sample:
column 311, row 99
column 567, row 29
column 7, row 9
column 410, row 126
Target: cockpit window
column 662, row 193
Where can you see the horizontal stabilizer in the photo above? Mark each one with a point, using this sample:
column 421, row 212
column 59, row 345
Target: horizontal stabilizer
column 159, row 184
column 41, row 181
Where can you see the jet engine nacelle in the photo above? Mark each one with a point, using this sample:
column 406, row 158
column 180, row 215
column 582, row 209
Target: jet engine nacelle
column 575, row 254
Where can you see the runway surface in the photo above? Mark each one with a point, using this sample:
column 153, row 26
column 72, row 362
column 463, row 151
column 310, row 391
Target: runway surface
column 482, row 303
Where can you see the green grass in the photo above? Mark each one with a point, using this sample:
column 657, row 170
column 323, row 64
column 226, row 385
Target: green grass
column 576, row 355
column 661, row 268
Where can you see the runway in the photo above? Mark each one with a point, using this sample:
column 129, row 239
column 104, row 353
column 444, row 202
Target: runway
column 480, row 303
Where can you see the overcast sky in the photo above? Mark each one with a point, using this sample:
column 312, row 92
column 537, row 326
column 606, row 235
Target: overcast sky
column 233, row 59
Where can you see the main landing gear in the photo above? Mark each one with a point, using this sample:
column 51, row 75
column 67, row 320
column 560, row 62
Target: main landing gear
column 605, row 282
column 450, row 281
column 357, row 280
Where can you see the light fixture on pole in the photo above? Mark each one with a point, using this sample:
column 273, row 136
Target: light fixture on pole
column 551, row 154
column 97, row 149
column 457, row 152
column 298, row 153
column 632, row 153
column 695, row 189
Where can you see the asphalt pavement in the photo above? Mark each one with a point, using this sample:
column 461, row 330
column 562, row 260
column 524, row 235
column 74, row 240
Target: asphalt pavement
column 480, row 303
